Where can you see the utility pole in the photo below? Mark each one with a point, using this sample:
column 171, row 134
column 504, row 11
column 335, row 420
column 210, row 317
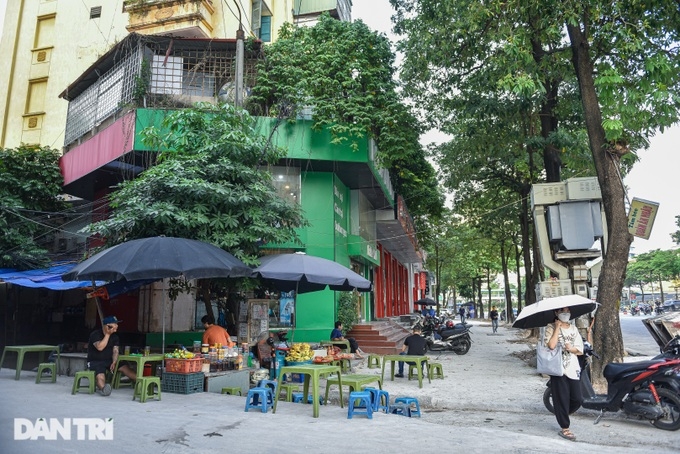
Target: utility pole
column 240, row 61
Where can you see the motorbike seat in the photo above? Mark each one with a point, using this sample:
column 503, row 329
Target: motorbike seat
column 612, row 370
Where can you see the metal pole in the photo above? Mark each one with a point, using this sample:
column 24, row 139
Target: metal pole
column 238, row 92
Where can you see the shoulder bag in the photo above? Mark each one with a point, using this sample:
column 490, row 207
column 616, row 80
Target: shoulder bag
column 549, row 361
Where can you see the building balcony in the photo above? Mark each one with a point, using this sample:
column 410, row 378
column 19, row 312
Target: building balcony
column 184, row 18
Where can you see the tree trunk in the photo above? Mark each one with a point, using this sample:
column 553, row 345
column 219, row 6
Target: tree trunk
column 527, row 240
column 505, row 259
column 204, row 289
column 519, row 286
column 607, row 332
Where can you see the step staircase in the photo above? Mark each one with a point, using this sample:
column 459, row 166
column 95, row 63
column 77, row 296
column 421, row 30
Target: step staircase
column 383, row 337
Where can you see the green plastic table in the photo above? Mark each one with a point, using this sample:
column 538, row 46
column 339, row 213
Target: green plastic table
column 140, row 360
column 311, row 373
column 355, row 382
column 338, row 343
column 21, row 350
column 419, row 360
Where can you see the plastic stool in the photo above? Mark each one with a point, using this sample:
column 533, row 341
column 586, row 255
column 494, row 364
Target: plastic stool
column 87, row 374
column 412, row 371
column 233, row 391
column 377, row 398
column 363, row 407
column 409, row 401
column 290, row 388
column 144, row 388
column 43, row 367
column 271, row 384
column 374, row 361
column 259, row 398
column 435, row 370
column 297, row 398
column 400, row 409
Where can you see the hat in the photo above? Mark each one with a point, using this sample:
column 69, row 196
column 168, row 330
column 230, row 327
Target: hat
column 111, row 319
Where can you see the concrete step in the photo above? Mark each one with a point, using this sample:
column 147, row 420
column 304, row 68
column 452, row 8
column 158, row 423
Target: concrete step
column 383, row 337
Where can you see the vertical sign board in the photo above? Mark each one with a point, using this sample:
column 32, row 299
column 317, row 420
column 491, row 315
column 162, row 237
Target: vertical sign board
column 641, row 217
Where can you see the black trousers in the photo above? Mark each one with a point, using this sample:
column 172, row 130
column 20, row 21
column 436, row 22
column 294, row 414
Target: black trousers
column 566, row 397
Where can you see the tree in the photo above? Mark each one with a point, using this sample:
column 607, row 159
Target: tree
column 211, row 185
column 619, row 58
column 343, row 73
column 30, row 181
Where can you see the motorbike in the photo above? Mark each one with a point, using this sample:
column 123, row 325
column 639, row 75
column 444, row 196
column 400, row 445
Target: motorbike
column 646, row 389
column 450, row 337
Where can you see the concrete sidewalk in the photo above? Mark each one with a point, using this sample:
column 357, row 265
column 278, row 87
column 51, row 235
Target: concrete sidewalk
column 489, row 400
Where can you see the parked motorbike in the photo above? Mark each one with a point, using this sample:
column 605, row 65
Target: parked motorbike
column 450, row 337
column 647, row 389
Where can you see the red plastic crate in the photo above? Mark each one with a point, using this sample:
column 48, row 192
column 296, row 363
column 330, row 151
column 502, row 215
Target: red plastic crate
column 183, row 366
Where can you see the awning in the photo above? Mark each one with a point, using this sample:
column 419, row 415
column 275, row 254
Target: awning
column 49, row 278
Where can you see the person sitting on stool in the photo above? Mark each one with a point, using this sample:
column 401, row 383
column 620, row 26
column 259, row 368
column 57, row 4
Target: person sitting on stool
column 416, row 345
column 336, row 335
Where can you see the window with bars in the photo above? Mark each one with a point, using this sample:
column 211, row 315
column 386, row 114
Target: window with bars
column 95, row 12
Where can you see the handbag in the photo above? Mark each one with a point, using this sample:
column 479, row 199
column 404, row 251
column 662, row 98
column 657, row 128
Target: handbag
column 549, row 361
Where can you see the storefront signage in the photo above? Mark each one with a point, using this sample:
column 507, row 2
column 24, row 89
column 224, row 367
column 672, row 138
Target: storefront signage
column 641, row 217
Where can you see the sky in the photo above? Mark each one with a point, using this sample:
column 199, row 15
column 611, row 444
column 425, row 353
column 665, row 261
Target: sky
column 652, row 178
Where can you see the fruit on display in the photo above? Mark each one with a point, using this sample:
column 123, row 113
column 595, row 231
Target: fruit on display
column 300, row 352
column 180, row 354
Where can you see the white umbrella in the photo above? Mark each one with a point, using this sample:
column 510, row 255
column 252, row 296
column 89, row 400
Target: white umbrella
column 542, row 312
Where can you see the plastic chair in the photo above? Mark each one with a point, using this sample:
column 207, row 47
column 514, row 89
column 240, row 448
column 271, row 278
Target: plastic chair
column 360, row 403
column 45, row 367
column 409, row 401
column 147, row 387
column 87, row 374
column 259, row 398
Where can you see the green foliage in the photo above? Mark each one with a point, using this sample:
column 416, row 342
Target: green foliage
column 676, row 235
column 30, row 181
column 213, row 186
column 344, row 72
column 348, row 310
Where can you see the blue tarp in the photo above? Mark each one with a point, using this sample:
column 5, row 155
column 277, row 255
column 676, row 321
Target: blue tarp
column 49, row 278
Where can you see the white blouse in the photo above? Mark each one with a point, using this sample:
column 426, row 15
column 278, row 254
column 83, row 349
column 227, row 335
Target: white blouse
column 570, row 335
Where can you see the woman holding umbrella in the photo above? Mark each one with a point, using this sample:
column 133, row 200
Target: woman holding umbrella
column 566, row 389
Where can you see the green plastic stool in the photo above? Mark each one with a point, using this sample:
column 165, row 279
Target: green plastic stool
column 435, row 370
column 232, row 391
column 87, row 374
column 144, row 388
column 374, row 361
column 43, row 367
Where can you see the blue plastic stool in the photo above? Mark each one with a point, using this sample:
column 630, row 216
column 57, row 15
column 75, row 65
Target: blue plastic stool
column 363, row 407
column 271, row 384
column 409, row 401
column 378, row 396
column 400, row 409
column 260, row 398
column 297, row 398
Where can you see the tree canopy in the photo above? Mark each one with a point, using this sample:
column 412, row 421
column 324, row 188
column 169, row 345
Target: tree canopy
column 30, row 182
column 343, row 73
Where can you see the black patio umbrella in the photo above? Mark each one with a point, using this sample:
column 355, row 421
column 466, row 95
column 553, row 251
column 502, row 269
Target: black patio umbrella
column 304, row 273
column 427, row 301
column 159, row 258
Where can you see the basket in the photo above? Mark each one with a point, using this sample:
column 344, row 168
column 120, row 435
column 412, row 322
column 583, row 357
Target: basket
column 182, row 383
column 298, row 363
column 183, row 366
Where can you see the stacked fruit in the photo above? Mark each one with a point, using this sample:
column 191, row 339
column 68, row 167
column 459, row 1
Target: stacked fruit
column 180, row 354
column 300, row 352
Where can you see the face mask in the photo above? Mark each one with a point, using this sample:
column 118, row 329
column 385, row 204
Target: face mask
column 564, row 316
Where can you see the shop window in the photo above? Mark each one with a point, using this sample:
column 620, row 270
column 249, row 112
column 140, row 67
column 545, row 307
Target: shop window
column 286, row 180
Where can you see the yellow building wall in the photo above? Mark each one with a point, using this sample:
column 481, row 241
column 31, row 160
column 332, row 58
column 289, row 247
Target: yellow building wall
column 47, row 44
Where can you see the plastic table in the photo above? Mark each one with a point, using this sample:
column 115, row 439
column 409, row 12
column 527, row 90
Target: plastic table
column 139, row 360
column 418, row 360
column 355, row 382
column 21, row 350
column 311, row 373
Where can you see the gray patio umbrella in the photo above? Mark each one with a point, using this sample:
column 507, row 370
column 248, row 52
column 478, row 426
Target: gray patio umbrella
column 427, row 301
column 159, row 258
column 305, row 273
column 541, row 313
